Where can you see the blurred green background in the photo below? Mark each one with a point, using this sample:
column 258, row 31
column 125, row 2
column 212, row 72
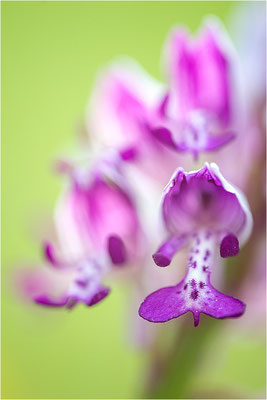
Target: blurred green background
column 51, row 52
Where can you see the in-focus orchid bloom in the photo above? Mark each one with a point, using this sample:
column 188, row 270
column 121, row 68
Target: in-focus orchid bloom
column 98, row 227
column 203, row 209
column 198, row 108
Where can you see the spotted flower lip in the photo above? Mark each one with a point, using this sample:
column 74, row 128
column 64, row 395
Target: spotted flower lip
column 199, row 109
column 201, row 208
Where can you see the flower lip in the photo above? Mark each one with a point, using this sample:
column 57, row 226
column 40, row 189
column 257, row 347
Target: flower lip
column 170, row 302
column 194, row 292
column 204, row 198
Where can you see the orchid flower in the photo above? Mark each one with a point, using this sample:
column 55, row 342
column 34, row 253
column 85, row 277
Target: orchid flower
column 98, row 227
column 190, row 114
column 200, row 207
column 123, row 109
column 198, row 106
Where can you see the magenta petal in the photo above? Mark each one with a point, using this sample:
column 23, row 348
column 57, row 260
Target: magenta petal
column 103, row 292
column 163, row 305
column 229, row 246
column 168, row 249
column 47, row 301
column 215, row 142
column 117, row 250
column 171, row 302
column 163, row 105
column 165, row 137
column 49, row 253
column 219, row 305
column 52, row 258
column 129, row 154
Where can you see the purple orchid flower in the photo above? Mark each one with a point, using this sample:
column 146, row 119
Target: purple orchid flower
column 192, row 113
column 131, row 101
column 201, row 207
column 198, row 107
column 98, row 227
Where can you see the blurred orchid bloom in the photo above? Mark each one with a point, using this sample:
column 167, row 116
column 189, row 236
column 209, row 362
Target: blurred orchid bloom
column 191, row 114
column 98, row 227
column 198, row 108
column 201, row 207
column 123, row 109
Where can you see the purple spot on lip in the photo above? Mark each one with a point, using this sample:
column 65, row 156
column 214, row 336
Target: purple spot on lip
column 194, row 294
column 201, row 285
column 185, row 286
column 193, row 283
column 194, row 265
column 207, row 254
column 204, row 268
column 197, row 251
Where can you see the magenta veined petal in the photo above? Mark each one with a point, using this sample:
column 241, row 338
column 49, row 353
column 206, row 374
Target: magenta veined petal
column 171, row 302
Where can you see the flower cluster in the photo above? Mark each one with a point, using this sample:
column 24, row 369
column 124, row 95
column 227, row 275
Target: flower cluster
column 146, row 130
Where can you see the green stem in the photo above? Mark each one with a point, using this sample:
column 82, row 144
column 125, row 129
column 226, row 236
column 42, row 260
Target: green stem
column 177, row 369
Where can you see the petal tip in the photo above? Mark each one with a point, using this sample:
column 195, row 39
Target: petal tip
column 116, row 250
column 196, row 318
column 161, row 260
column 229, row 246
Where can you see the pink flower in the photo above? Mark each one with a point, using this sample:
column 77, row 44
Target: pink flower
column 98, row 227
column 193, row 113
column 124, row 106
column 200, row 207
column 198, row 112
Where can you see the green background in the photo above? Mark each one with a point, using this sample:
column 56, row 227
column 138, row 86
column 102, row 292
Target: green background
column 51, row 53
